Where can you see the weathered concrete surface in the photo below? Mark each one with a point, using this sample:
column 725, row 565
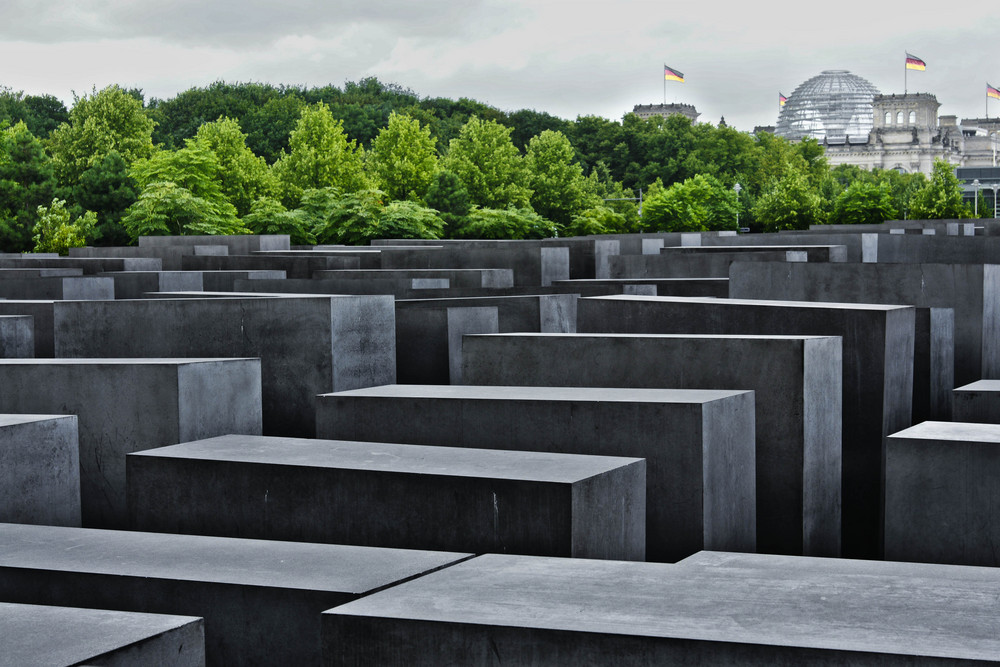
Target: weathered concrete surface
column 942, row 492
column 538, row 313
column 308, row 345
column 393, row 495
column 57, row 288
column 877, row 382
column 261, row 599
column 463, row 278
column 698, row 444
column 127, row 405
column 90, row 265
column 17, row 337
column 717, row 287
column 135, row 284
column 533, row 264
column 429, row 340
column 714, row 261
column 404, row 288
column 933, row 363
column 728, row 609
column 977, row 402
column 43, row 635
column 972, row 290
column 797, row 384
column 238, row 244
column 39, row 469
column 223, row 281
column 41, row 319
column 294, row 267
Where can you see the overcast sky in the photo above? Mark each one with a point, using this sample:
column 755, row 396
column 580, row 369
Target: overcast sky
column 565, row 58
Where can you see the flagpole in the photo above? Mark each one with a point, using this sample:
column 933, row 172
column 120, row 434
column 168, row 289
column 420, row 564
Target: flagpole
column 664, row 75
column 905, row 58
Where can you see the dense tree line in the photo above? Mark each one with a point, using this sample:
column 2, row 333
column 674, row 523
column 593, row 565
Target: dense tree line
column 331, row 165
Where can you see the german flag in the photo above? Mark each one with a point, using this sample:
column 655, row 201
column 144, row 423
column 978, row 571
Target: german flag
column 670, row 74
column 913, row 62
column 992, row 92
column 781, row 100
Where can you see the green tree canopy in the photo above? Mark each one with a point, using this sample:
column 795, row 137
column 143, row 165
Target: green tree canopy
column 511, row 223
column 56, row 232
column 107, row 189
column 790, row 203
column 559, row 191
column 244, row 178
column 489, row 165
column 403, row 159
column 700, row 203
column 26, row 182
column 864, row 203
column 941, row 197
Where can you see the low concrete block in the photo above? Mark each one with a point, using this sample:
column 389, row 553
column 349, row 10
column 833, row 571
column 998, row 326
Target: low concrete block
column 41, row 319
column 532, row 313
column 797, row 385
column 698, row 445
column 43, row 635
column 17, row 337
column 127, row 405
column 393, row 495
column 774, row 610
column 135, row 284
column 261, row 599
column 224, row 281
column 878, row 343
column 77, row 288
column 429, row 340
column 977, row 402
column 462, row 278
column 941, row 494
column 39, row 470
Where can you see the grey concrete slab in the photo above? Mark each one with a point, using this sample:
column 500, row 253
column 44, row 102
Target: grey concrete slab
column 238, row 244
column 538, row 313
column 57, row 288
column 941, row 493
column 169, row 256
column 126, row 405
column 714, row 261
column 90, row 265
column 429, row 340
column 465, row 278
column 878, row 345
column 716, row 287
column 403, row 288
column 17, row 337
column 977, row 402
column 533, row 265
column 528, row 610
column 223, row 281
column 393, row 495
column 133, row 284
column 933, row 364
column 40, row 312
column 308, row 345
column 698, row 444
column 39, row 469
column 797, row 381
column 972, row 290
column 57, row 636
column 294, row 267
column 39, row 273
column 261, row 599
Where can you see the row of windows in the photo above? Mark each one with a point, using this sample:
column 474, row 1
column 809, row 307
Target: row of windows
column 899, row 117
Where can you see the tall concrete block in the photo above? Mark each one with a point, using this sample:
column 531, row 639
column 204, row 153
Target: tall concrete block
column 798, row 393
column 39, row 470
column 44, row 635
column 429, row 340
column 735, row 609
column 877, row 375
column 308, row 345
column 972, row 290
column 135, row 284
column 261, row 599
column 17, row 337
column 76, row 288
column 294, row 267
column 224, row 281
column 977, row 402
column 41, row 319
column 393, row 495
column 126, row 405
column 537, row 313
column 698, row 445
column 942, row 492
column 533, row 264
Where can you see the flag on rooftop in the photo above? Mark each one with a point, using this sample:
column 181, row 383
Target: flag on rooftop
column 781, row 100
column 913, row 62
column 670, row 74
column 992, row 92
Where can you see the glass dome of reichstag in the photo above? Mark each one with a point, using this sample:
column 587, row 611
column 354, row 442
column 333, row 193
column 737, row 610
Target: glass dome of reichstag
column 836, row 105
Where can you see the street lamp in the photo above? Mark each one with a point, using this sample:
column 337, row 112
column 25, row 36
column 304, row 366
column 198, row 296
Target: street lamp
column 975, row 187
column 736, row 189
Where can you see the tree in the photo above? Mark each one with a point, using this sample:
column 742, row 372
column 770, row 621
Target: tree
column 268, row 216
column 107, row 189
column 109, row 120
column 790, row 203
column 244, row 178
column 512, row 223
column 863, row 203
column 941, row 197
column 597, row 220
column 268, row 126
column 489, row 166
column 319, row 156
column 26, row 182
column 558, row 189
column 403, row 159
column 700, row 203
column 55, row 232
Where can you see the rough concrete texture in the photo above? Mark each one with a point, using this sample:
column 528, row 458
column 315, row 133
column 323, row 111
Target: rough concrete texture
column 17, row 337
column 464, row 278
column 977, row 402
column 41, row 319
column 942, row 492
column 75, row 288
column 698, row 445
column 127, row 405
column 722, row 609
column 224, row 281
column 39, row 470
column 308, row 345
column 538, row 313
column 294, row 267
column 797, row 385
column 933, row 363
column 714, row 261
column 90, row 265
column 877, row 381
column 42, row 635
column 393, row 495
column 135, row 284
column 532, row 264
column 717, row 287
column 429, row 340
column 973, row 291
column 261, row 599
column 238, row 244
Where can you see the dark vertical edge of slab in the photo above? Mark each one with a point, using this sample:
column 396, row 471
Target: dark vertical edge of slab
column 363, row 341
column 462, row 321
column 822, row 464
column 609, row 514
column 942, row 363
column 729, row 489
column 991, row 321
column 237, row 405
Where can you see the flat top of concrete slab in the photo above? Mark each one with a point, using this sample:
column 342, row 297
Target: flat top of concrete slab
column 14, row 420
column 820, row 305
column 819, row 604
column 389, row 457
column 563, row 394
column 584, row 336
column 981, row 385
column 958, row 431
column 40, row 635
column 226, row 560
column 116, row 361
